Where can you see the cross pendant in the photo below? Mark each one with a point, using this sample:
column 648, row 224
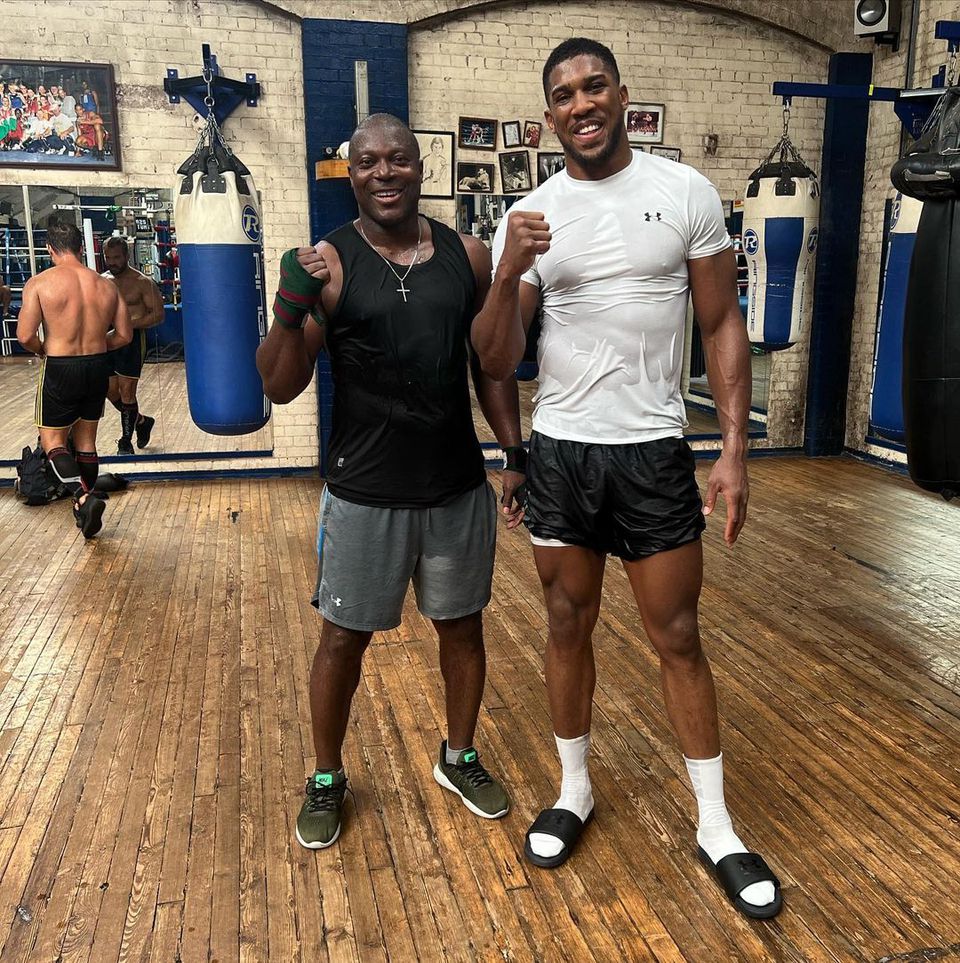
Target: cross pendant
column 404, row 291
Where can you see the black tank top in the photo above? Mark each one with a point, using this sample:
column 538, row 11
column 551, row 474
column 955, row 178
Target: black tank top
column 403, row 434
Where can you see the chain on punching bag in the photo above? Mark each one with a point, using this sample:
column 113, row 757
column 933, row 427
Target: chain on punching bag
column 781, row 215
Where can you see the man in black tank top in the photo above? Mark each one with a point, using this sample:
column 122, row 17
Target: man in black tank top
column 392, row 296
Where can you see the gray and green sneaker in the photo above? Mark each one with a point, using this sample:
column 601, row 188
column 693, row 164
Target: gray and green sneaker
column 480, row 792
column 318, row 824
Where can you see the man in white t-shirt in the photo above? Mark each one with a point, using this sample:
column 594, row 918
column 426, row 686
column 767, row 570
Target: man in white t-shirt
column 611, row 248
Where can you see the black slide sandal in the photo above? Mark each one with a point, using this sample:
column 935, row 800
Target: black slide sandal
column 738, row 871
column 561, row 824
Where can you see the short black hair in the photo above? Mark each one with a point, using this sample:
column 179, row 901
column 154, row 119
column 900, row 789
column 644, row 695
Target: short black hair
column 117, row 240
column 578, row 47
column 385, row 123
column 64, row 236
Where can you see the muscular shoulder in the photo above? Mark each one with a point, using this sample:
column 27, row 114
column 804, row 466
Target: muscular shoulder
column 478, row 255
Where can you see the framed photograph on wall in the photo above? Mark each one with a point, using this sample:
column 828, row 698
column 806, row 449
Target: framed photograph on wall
column 531, row 134
column 511, row 133
column 672, row 153
column 515, row 172
column 644, row 123
column 475, row 133
column 436, row 152
column 474, row 178
column 548, row 164
column 56, row 115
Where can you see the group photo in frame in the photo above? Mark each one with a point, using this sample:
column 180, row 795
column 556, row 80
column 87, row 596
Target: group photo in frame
column 477, row 133
column 671, row 153
column 436, row 155
column 644, row 123
column 474, row 178
column 515, row 172
column 56, row 115
column 548, row 164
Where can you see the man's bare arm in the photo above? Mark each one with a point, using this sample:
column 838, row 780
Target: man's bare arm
column 30, row 319
column 152, row 303
column 122, row 330
column 499, row 329
column 713, row 283
column 287, row 356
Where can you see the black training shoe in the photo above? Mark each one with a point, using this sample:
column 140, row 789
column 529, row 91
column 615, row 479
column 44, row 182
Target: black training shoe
column 124, row 446
column 144, row 427
column 89, row 516
column 320, row 819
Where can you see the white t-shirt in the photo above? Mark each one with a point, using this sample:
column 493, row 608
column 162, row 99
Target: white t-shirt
column 614, row 289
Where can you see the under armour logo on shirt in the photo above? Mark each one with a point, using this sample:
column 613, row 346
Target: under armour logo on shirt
column 647, row 216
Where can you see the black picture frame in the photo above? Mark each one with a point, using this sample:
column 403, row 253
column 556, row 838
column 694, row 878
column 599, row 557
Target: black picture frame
column 474, row 178
column 548, row 164
column 511, row 133
column 438, row 166
column 515, row 172
column 476, row 133
column 532, row 131
column 34, row 138
column 671, row 153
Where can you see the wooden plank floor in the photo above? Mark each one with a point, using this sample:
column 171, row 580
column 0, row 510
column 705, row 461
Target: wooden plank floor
column 162, row 393
column 154, row 737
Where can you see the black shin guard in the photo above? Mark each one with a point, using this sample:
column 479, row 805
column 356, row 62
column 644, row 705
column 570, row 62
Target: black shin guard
column 128, row 419
column 65, row 467
column 89, row 465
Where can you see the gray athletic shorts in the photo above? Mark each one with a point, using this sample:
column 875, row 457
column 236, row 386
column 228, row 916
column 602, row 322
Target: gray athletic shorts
column 367, row 557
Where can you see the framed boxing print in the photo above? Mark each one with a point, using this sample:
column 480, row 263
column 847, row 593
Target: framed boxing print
column 436, row 154
column 476, row 133
column 515, row 172
column 531, row 134
column 56, row 115
column 511, row 133
column 671, row 153
column 474, row 178
column 644, row 123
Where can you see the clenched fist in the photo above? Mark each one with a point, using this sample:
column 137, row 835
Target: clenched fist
column 528, row 236
column 314, row 263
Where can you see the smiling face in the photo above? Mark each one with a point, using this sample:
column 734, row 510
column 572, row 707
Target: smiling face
column 385, row 174
column 585, row 106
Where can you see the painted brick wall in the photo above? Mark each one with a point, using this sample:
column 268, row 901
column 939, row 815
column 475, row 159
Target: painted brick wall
column 883, row 148
column 142, row 38
column 712, row 71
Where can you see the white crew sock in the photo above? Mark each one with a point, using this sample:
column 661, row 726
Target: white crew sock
column 576, row 793
column 453, row 755
column 715, row 830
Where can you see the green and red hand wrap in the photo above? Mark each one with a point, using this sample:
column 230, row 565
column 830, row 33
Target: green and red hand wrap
column 297, row 294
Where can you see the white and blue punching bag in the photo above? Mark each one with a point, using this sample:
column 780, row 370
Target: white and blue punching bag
column 781, row 216
column 220, row 241
column 886, row 403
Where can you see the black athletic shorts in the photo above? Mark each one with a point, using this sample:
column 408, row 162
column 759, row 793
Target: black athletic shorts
column 128, row 360
column 71, row 388
column 629, row 500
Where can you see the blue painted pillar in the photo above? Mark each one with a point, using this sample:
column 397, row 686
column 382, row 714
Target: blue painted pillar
column 330, row 49
column 841, row 179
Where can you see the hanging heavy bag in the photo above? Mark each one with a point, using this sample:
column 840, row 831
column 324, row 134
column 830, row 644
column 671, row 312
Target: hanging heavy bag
column 930, row 169
column 220, row 244
column 886, row 401
column 781, row 215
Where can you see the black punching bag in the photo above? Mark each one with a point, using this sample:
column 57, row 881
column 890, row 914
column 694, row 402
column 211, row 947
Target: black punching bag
column 931, row 351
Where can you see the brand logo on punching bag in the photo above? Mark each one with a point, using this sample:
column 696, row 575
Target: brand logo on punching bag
column 250, row 220
column 751, row 243
column 812, row 239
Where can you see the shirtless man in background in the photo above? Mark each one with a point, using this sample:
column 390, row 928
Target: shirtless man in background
column 82, row 317
column 145, row 306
